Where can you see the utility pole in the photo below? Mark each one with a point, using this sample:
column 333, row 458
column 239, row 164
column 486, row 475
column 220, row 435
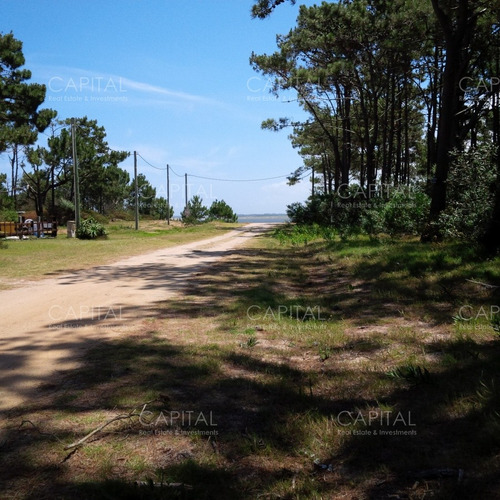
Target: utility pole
column 186, row 188
column 312, row 183
column 75, row 174
column 168, row 195
column 136, row 193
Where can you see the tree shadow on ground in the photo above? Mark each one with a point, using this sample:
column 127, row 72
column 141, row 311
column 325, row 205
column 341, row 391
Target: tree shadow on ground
column 266, row 409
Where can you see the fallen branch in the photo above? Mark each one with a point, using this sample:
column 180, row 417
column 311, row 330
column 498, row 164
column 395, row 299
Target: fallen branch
column 38, row 430
column 487, row 285
column 152, row 484
column 99, row 429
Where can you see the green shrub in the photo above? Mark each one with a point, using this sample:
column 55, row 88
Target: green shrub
column 161, row 210
column 96, row 216
column 90, row 229
column 341, row 211
column 302, row 234
column 195, row 212
column 8, row 216
column 470, row 194
column 220, row 210
column 64, row 210
column 389, row 210
column 405, row 212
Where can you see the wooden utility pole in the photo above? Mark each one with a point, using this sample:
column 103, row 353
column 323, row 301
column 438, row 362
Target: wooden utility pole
column 75, row 174
column 186, row 189
column 168, row 196
column 136, row 193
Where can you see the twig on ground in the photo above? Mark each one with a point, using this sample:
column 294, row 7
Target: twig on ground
column 133, row 413
column 163, row 485
column 487, row 285
column 38, row 430
column 99, row 429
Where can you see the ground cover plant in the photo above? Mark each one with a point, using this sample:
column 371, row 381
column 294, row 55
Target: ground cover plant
column 296, row 368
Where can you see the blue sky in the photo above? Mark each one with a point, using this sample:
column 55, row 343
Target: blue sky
column 171, row 80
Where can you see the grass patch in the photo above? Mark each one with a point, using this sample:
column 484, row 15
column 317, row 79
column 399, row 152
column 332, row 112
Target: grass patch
column 269, row 379
column 38, row 258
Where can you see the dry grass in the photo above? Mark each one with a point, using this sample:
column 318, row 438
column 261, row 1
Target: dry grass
column 38, row 258
column 303, row 367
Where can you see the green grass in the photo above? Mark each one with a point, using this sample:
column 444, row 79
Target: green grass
column 304, row 407
column 38, row 258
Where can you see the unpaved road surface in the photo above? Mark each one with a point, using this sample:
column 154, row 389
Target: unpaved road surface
column 47, row 325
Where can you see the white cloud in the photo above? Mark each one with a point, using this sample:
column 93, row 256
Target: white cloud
column 61, row 80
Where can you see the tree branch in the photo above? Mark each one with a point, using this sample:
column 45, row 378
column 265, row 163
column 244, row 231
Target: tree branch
column 99, row 429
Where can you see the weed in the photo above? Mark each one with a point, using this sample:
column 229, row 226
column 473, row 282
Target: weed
column 324, row 353
column 251, row 342
column 411, row 373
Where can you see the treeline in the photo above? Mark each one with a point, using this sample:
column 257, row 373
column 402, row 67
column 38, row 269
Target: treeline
column 399, row 93
column 42, row 177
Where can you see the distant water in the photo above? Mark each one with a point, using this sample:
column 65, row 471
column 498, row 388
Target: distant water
column 245, row 218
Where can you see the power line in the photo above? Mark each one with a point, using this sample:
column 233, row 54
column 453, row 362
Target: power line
column 238, row 180
column 152, row 166
column 174, row 172
column 214, row 178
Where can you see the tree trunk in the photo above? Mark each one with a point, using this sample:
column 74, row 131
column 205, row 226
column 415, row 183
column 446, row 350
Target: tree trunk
column 458, row 27
column 447, row 129
column 491, row 239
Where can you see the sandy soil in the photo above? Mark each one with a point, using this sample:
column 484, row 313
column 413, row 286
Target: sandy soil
column 47, row 325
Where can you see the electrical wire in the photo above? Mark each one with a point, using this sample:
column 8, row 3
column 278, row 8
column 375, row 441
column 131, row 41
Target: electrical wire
column 152, row 166
column 214, row 178
column 238, row 180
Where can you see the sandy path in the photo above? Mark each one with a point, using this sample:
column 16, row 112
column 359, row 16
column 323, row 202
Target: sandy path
column 46, row 325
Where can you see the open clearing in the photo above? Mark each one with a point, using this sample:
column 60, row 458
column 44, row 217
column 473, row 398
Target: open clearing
column 254, row 369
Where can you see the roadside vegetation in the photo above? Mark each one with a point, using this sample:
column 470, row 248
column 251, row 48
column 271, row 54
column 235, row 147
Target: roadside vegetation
column 304, row 366
column 33, row 259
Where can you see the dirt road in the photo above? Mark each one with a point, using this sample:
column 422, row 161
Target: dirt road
column 47, row 325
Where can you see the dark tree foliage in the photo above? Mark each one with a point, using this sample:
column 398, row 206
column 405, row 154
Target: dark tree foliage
column 220, row 210
column 20, row 117
column 195, row 212
column 392, row 90
column 263, row 8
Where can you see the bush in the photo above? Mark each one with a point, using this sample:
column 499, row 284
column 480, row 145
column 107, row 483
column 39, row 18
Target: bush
column 96, row 216
column 195, row 212
column 303, row 233
column 341, row 211
column 399, row 211
column 161, row 209
column 121, row 214
column 8, row 216
column 65, row 210
column 470, row 194
column 220, row 210
column 90, row 229
column 405, row 212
